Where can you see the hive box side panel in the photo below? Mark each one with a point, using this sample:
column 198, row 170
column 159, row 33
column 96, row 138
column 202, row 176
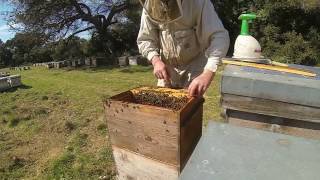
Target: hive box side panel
column 191, row 132
column 273, row 124
column 151, row 132
column 132, row 166
column 270, row 107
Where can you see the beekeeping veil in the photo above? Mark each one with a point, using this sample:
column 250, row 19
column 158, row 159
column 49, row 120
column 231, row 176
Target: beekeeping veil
column 163, row 11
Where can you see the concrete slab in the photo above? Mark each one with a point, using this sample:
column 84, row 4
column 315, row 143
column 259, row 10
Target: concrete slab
column 3, row 84
column 10, row 82
column 14, row 81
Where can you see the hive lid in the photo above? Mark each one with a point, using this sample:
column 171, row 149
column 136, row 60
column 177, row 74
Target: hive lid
column 272, row 85
column 230, row 152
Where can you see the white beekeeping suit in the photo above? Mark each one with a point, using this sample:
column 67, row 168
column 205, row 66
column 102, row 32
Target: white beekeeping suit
column 188, row 36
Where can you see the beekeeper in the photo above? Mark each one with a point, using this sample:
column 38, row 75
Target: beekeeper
column 184, row 40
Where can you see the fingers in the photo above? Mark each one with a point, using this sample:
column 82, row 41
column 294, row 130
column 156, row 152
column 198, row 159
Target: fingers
column 203, row 89
column 192, row 90
column 162, row 74
column 159, row 75
column 196, row 89
column 200, row 91
column 165, row 75
column 160, row 70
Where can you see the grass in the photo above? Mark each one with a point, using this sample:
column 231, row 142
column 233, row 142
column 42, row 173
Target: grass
column 54, row 128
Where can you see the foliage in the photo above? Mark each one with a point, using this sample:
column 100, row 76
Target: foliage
column 24, row 47
column 288, row 30
column 66, row 18
column 5, row 55
column 27, row 48
column 68, row 49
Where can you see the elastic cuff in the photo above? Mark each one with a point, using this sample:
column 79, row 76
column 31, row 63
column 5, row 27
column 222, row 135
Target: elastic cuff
column 152, row 54
column 212, row 64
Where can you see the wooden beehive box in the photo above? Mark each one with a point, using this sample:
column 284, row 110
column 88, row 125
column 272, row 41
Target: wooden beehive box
column 272, row 101
column 151, row 142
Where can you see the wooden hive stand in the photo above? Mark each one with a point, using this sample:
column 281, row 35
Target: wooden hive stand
column 151, row 142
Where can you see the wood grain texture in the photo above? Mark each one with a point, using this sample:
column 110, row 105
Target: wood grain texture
column 191, row 132
column 274, row 124
column 132, row 166
column 281, row 68
column 271, row 108
column 151, row 132
column 157, row 133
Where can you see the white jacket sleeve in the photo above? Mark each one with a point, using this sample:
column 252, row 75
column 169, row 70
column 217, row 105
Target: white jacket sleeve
column 148, row 38
column 214, row 35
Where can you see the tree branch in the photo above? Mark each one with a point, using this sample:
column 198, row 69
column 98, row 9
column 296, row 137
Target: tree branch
column 77, row 32
column 86, row 7
column 115, row 10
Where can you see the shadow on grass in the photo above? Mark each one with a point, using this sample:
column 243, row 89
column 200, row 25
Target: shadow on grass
column 17, row 88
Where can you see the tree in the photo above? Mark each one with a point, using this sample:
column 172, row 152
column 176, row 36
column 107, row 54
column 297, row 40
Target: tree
column 66, row 18
column 21, row 46
column 5, row 55
column 288, row 30
column 68, row 49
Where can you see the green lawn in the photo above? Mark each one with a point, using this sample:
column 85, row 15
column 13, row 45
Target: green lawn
column 53, row 127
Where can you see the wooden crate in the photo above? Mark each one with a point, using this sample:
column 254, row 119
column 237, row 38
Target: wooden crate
column 123, row 61
column 87, row 62
column 156, row 138
column 269, row 115
column 131, row 165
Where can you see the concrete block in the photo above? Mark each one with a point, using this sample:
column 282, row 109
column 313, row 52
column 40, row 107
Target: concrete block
column 14, row 81
column 10, row 82
column 4, row 74
column 3, row 84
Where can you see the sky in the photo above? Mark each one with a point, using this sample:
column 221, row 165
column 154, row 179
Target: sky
column 6, row 33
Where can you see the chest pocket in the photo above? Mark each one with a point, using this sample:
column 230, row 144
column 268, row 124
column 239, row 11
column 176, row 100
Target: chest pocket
column 187, row 45
column 180, row 47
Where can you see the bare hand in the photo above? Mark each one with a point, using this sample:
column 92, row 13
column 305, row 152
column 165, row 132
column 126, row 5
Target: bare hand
column 159, row 69
column 200, row 84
